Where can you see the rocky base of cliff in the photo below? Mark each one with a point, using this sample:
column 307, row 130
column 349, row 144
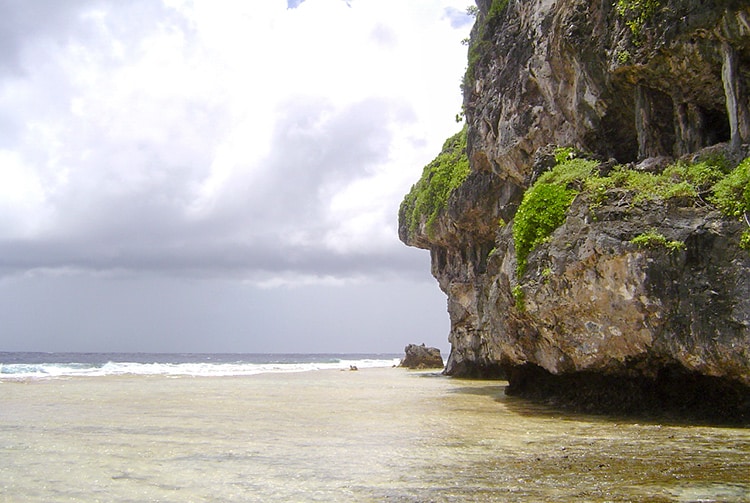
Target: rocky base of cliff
column 673, row 393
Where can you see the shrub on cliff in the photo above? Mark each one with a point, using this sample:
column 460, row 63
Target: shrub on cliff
column 678, row 180
column 732, row 193
column 732, row 196
column 654, row 239
column 429, row 196
column 637, row 12
column 545, row 204
column 542, row 211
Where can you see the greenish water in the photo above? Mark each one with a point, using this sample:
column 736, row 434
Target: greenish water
column 370, row 435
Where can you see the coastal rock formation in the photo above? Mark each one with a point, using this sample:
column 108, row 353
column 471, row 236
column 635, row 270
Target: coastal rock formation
column 422, row 357
column 639, row 293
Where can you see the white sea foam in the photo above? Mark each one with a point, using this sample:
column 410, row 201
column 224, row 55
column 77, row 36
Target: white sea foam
column 15, row 371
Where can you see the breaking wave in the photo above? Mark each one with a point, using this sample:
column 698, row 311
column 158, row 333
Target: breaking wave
column 96, row 365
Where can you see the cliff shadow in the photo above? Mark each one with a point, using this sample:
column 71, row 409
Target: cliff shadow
column 674, row 396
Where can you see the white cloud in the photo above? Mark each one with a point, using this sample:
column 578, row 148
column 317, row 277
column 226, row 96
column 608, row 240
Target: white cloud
column 211, row 133
column 21, row 194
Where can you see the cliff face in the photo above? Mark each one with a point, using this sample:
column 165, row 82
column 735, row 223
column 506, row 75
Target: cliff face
column 631, row 290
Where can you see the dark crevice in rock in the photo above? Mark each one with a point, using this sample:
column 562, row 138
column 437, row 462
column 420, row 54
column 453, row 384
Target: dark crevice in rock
column 736, row 97
column 653, row 111
column 473, row 370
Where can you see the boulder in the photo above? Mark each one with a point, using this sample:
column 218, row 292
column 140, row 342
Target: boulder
column 422, row 357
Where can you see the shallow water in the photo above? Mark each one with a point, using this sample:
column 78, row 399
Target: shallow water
column 370, row 435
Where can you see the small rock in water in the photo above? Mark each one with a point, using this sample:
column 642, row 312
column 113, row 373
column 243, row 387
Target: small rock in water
column 422, row 357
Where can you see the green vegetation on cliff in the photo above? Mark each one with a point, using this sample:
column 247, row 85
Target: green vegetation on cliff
column 429, row 196
column 654, row 239
column 546, row 202
column 637, row 12
column 678, row 180
column 541, row 212
column 731, row 195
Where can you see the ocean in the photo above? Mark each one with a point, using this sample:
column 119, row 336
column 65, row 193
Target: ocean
column 48, row 365
column 246, row 428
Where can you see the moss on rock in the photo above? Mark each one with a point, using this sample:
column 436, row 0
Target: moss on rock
column 429, row 196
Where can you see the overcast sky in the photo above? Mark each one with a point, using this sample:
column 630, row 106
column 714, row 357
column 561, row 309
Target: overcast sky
column 218, row 175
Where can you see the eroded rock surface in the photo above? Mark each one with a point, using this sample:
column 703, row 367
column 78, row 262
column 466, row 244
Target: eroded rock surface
column 591, row 307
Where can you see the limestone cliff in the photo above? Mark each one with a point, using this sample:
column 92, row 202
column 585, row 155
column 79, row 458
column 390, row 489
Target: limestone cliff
column 642, row 286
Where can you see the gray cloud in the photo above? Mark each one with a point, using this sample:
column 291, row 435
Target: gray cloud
column 293, row 4
column 162, row 314
column 105, row 221
column 177, row 186
column 122, row 177
column 262, row 260
column 22, row 21
column 384, row 36
column 314, row 145
column 25, row 25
